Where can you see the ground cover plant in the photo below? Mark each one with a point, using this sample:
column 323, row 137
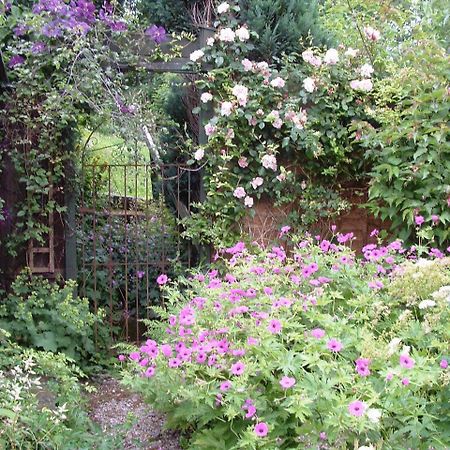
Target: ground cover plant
column 311, row 349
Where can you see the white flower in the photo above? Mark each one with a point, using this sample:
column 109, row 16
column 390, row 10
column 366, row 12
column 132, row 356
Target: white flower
column 241, row 93
column 424, row 304
column 309, row 84
column 331, row 57
column 351, row 52
column 226, row 108
column 196, row 55
column 269, row 162
column 366, row 70
column 239, row 192
column 223, row 8
column 206, row 97
column 248, row 65
column 392, row 346
column 210, row 129
column 262, row 66
column 199, row 154
column 248, row 201
column 256, row 182
column 366, row 447
column 210, row 41
column 372, row 34
column 309, row 57
column 277, row 82
column 374, row 415
column 227, row 35
column 362, row 85
column 243, row 34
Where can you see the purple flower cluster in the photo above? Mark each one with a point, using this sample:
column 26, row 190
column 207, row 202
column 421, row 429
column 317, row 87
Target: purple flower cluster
column 157, row 34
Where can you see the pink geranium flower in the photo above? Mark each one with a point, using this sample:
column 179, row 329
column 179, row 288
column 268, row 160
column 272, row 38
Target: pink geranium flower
column 162, row 279
column 334, row 345
column 225, row 386
column 406, row 361
column 318, row 333
column 238, row 368
column 356, row 408
column 261, row 429
column 274, row 326
column 287, row 382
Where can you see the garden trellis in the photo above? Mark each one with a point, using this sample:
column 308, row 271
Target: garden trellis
column 71, row 258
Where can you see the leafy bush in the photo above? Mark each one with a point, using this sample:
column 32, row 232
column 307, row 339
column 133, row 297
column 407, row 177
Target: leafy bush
column 313, row 350
column 410, row 178
column 46, row 316
column 41, row 406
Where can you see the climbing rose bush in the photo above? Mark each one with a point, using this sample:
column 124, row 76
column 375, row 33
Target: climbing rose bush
column 313, row 348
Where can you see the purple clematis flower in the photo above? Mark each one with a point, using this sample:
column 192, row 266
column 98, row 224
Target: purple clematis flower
column 158, row 34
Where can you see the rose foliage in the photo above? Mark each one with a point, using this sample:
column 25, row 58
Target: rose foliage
column 310, row 349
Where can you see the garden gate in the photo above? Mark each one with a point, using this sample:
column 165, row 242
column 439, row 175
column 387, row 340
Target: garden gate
column 128, row 234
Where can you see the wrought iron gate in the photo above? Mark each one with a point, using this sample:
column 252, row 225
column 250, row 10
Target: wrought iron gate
column 128, row 234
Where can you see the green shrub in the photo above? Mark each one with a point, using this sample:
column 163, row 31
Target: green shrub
column 313, row 350
column 46, row 316
column 42, row 407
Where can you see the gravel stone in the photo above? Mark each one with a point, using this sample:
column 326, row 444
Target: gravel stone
column 112, row 405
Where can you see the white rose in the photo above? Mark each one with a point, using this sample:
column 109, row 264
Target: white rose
column 351, row 52
column 248, row 201
column 226, row 108
column 206, row 97
column 278, row 82
column 227, row 35
column 199, row 154
column 243, row 34
column 248, row 65
column 223, row 8
column 210, row 41
column 366, row 70
column 196, row 55
column 256, row 182
column 331, row 57
column 309, row 84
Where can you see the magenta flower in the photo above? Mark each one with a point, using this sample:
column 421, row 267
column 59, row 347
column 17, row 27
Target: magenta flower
column 238, row 368
column 274, row 326
column 443, row 364
column 419, row 220
column 406, row 361
column 162, row 279
column 149, row 372
column 334, row 345
column 362, row 366
column 356, row 408
column 287, row 382
column 261, row 429
column 318, row 333
column 135, row 356
column 121, row 358
column 225, row 386
column 389, row 376
column 251, row 410
column 16, row 60
column 405, row 381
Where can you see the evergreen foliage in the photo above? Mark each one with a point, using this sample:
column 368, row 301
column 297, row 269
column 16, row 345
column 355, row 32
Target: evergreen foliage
column 284, row 26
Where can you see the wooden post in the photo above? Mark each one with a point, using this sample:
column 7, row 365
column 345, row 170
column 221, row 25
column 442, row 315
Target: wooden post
column 70, row 222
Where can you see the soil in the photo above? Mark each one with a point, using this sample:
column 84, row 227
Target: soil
column 112, row 406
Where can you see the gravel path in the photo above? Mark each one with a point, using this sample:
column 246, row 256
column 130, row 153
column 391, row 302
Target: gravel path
column 111, row 406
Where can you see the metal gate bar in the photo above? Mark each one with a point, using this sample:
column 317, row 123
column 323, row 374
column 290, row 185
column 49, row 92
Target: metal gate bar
column 128, row 234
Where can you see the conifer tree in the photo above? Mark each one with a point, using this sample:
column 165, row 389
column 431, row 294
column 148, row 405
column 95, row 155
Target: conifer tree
column 284, row 26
